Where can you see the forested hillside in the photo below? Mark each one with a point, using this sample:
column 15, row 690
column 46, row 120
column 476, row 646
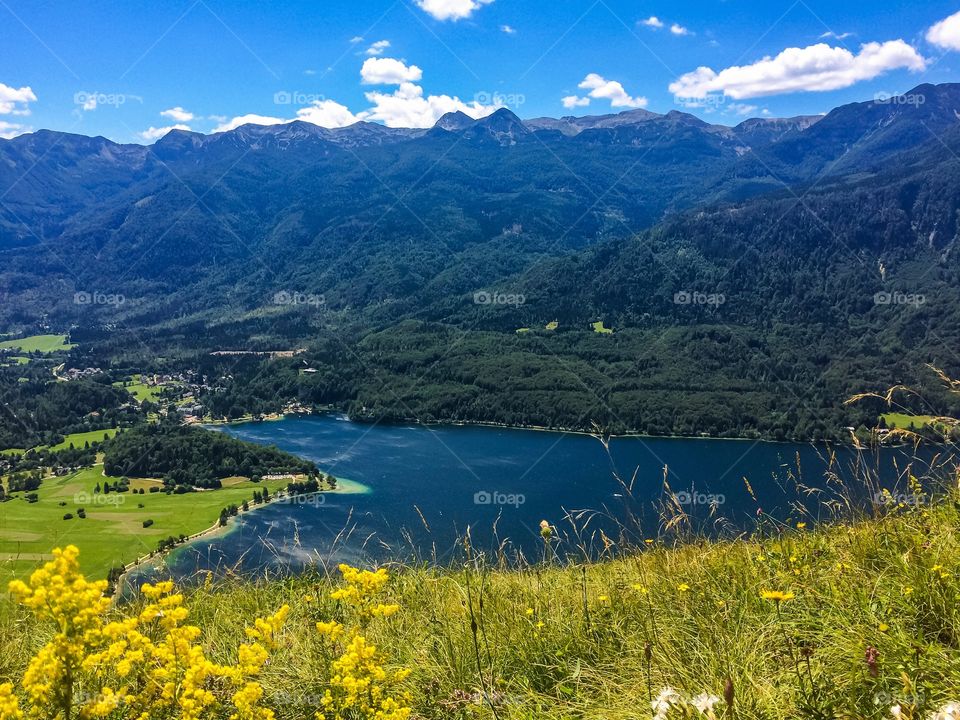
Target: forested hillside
column 754, row 277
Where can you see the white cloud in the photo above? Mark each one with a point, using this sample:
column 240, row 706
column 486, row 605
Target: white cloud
column 249, row 119
column 946, row 33
column 407, row 107
column 814, row 68
column 653, row 21
column 836, row 36
column 327, row 113
column 356, row 39
column 378, row 48
column 677, row 29
column 10, row 130
column 451, row 9
column 388, row 71
column 178, row 114
column 508, row 29
column 155, row 133
column 572, row 101
column 15, row 101
column 742, row 109
column 602, row 89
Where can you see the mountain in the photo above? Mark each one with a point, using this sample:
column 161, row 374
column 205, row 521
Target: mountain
column 740, row 266
column 758, row 132
column 454, row 121
column 570, row 125
column 425, row 214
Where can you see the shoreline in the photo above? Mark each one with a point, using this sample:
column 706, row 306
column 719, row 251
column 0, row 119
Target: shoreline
column 345, row 486
column 505, row 426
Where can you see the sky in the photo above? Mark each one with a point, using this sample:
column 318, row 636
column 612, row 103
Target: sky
column 131, row 70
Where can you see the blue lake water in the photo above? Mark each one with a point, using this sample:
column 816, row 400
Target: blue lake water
column 429, row 486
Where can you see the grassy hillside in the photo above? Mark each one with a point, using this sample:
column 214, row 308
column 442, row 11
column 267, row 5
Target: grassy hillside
column 867, row 619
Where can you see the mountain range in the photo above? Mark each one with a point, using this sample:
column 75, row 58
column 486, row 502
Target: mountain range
column 798, row 224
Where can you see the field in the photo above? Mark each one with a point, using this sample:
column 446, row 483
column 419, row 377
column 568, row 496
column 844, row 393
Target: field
column 598, row 327
column 76, row 439
column 903, row 422
column 79, row 439
column 112, row 533
column 38, row 343
column 140, row 390
column 849, row 621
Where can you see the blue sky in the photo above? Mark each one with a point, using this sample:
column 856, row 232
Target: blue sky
column 130, row 69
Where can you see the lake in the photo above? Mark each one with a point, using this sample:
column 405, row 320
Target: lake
column 422, row 489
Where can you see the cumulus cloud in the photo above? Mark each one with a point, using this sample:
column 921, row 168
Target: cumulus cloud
column 178, row 114
column 946, row 33
column 451, row 9
column 678, row 29
column 327, row 113
column 378, row 48
column 572, row 101
column 388, row 71
column 249, row 119
column 407, row 107
column 9, row 130
column 14, row 101
column 602, row 89
column 155, row 133
column 653, row 21
column 814, row 68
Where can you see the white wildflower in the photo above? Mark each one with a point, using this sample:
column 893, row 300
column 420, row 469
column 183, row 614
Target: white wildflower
column 950, row 711
column 704, row 702
column 667, row 699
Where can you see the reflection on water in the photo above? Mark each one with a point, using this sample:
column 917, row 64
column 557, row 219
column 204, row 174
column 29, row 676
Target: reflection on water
column 429, row 487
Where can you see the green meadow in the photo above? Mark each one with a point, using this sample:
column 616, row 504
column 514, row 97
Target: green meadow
column 112, row 533
column 140, row 390
column 902, row 421
column 38, row 343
